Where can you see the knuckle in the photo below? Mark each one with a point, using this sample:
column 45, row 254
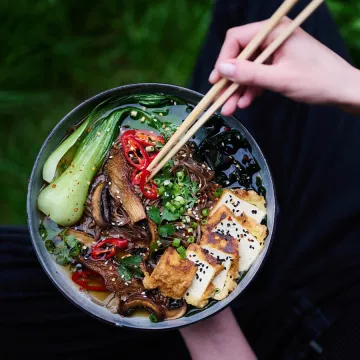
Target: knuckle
column 231, row 32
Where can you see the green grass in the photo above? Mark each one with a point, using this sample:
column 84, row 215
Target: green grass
column 57, row 53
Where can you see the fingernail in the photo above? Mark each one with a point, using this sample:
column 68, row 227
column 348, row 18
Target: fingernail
column 227, row 69
column 212, row 76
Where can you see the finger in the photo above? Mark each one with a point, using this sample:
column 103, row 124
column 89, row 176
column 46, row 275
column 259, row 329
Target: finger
column 230, row 105
column 236, row 39
column 249, row 96
column 252, row 74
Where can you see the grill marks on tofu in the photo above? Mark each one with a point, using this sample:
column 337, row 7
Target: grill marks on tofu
column 238, row 202
column 201, row 287
column 172, row 275
column 226, row 250
column 242, row 229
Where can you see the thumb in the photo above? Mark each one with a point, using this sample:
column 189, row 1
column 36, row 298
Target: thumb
column 251, row 74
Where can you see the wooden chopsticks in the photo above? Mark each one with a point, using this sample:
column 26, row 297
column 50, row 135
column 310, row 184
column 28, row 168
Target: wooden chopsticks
column 180, row 138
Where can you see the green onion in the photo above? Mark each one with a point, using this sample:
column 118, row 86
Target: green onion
column 180, row 175
column 149, row 148
column 194, row 225
column 182, row 252
column 153, row 318
column 218, row 192
column 191, row 239
column 190, row 230
column 182, row 210
column 157, row 181
column 217, row 291
column 161, row 190
column 176, row 242
column 180, row 199
column 204, row 221
column 205, row 212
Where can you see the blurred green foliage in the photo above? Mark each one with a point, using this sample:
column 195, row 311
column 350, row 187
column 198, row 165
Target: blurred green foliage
column 56, row 53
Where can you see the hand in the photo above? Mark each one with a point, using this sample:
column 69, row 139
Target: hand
column 302, row 69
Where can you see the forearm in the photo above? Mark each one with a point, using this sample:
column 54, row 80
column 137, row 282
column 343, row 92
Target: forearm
column 348, row 97
column 219, row 337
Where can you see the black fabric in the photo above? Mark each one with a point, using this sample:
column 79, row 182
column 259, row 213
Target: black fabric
column 303, row 304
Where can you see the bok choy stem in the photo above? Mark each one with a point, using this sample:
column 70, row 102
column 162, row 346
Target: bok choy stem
column 64, row 198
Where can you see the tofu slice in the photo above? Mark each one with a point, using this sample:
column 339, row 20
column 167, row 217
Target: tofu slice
column 225, row 249
column 238, row 205
column 251, row 197
column 172, row 275
column 201, row 287
column 224, row 222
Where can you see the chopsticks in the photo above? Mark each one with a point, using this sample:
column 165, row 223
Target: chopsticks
column 180, row 138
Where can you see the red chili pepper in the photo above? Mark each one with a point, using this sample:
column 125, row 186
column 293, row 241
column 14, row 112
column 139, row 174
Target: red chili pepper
column 133, row 147
column 85, row 277
column 135, row 177
column 110, row 248
column 145, row 137
column 147, row 188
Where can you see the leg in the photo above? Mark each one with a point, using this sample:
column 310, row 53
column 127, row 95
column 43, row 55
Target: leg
column 311, row 154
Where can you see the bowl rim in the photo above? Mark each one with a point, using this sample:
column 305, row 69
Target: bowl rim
column 165, row 325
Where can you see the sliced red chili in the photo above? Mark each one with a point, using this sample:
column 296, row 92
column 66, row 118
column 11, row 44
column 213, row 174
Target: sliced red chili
column 135, row 177
column 133, row 150
column 105, row 249
column 87, row 278
column 148, row 188
column 145, row 137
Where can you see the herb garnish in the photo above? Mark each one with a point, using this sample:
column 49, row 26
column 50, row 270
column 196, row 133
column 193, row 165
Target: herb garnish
column 129, row 267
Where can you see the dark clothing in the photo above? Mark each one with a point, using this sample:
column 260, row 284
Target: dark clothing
column 303, row 304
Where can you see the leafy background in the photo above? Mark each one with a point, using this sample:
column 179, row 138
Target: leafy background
column 57, row 53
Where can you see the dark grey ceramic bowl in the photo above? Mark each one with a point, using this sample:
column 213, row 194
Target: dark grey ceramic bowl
column 60, row 278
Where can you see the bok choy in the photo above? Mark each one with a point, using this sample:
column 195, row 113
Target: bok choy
column 64, row 198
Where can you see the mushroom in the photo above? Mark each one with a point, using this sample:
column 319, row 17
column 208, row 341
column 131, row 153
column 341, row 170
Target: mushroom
column 137, row 301
column 101, row 205
column 82, row 237
column 153, row 231
column 172, row 314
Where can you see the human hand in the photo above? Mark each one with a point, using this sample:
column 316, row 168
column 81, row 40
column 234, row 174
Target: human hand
column 302, row 69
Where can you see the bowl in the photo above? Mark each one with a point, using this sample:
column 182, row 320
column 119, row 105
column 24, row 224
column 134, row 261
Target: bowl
column 60, row 277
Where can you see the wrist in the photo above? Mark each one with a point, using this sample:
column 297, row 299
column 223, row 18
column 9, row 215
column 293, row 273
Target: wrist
column 349, row 91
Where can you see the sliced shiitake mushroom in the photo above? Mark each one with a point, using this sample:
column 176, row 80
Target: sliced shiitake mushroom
column 101, row 205
column 176, row 313
column 138, row 301
column 82, row 237
column 153, row 231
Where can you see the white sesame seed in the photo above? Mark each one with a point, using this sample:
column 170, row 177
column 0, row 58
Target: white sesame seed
column 113, row 279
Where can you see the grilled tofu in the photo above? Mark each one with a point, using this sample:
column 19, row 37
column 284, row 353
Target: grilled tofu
column 201, row 287
column 224, row 222
column 241, row 204
column 172, row 275
column 226, row 250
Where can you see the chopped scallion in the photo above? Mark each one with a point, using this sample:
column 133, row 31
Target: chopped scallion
column 182, row 252
column 157, row 181
column 218, row 192
column 153, row 318
column 205, row 212
column 176, row 242
column 204, row 221
column 191, row 239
